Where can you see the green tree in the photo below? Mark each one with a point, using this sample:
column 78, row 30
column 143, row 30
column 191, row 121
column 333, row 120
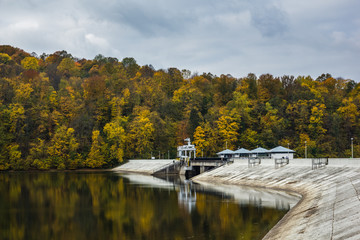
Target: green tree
column 249, row 139
column 130, row 66
column 38, row 156
column 67, row 68
column 16, row 162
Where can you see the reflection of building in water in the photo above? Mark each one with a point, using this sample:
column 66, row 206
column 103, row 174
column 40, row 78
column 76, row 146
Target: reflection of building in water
column 255, row 200
column 261, row 200
column 257, row 197
column 187, row 192
column 187, row 196
column 280, row 204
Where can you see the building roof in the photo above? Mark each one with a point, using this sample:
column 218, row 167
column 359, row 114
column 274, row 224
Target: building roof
column 281, row 149
column 242, row 151
column 226, row 151
column 259, row 150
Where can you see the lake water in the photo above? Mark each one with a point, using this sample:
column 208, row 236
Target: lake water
column 106, row 205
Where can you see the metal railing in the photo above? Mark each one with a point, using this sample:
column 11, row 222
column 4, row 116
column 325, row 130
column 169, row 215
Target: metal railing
column 280, row 162
column 254, row 162
column 319, row 162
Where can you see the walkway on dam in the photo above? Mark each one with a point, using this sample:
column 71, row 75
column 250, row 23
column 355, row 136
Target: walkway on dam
column 330, row 204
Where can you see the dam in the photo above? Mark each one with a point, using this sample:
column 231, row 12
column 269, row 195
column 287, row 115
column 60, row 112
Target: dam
column 330, row 203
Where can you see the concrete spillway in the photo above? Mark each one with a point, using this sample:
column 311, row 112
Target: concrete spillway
column 330, row 204
column 146, row 166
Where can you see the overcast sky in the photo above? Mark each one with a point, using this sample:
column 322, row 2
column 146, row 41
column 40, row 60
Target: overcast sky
column 280, row 37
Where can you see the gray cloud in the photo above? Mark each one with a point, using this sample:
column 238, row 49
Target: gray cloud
column 230, row 36
column 270, row 20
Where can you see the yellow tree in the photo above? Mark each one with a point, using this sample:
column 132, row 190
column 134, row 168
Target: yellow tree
column 141, row 134
column 187, row 97
column 240, row 107
column 17, row 118
column 305, row 140
column 115, row 135
column 316, row 120
column 96, row 158
column 349, row 111
column 206, row 139
column 227, row 128
column 200, row 139
column 22, row 92
column 63, row 146
column 4, row 58
column 30, row 63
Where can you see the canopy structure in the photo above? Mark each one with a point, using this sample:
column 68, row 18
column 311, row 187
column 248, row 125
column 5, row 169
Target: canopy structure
column 227, row 153
column 241, row 153
column 282, row 152
column 278, row 152
column 260, row 152
column 281, row 149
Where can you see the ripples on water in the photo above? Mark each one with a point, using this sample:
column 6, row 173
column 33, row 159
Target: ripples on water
column 104, row 205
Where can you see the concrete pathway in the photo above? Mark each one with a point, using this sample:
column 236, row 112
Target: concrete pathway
column 330, row 204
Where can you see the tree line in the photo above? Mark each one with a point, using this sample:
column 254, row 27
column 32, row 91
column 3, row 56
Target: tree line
column 61, row 112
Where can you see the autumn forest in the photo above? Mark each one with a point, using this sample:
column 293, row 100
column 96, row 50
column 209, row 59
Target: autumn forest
column 61, row 112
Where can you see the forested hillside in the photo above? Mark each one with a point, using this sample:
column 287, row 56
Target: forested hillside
column 61, row 112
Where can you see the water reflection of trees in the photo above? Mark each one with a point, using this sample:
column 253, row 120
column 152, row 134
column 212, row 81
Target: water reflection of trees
column 106, row 206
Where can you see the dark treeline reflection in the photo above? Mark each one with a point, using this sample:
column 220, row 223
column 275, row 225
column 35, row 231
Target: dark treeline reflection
column 63, row 205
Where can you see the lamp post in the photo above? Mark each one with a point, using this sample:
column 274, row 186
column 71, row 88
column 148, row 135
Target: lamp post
column 352, row 148
column 305, row 150
column 288, row 150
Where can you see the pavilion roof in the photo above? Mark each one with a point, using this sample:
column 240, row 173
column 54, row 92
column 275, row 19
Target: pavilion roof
column 226, row 151
column 281, row 149
column 242, row 151
column 259, row 150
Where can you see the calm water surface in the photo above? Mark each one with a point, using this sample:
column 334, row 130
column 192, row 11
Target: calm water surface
column 105, row 205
